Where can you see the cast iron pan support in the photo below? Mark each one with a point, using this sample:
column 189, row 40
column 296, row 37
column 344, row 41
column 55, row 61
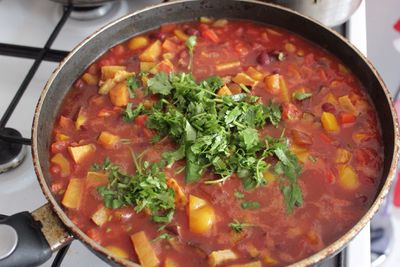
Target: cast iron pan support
column 30, row 239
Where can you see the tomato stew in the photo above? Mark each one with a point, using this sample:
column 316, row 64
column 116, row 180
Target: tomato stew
column 142, row 175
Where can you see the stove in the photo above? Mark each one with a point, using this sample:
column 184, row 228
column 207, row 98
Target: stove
column 28, row 26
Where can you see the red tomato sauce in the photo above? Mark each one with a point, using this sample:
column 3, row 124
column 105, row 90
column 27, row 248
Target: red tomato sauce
column 341, row 167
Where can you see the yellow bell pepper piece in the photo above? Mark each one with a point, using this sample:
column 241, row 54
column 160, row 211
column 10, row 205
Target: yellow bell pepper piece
column 329, row 122
column 137, row 42
column 348, row 178
column 201, row 215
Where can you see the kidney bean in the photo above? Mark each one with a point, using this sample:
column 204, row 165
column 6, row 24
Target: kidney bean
column 191, row 31
column 328, row 107
column 158, row 35
column 263, row 58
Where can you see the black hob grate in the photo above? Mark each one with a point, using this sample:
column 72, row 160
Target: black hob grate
column 47, row 54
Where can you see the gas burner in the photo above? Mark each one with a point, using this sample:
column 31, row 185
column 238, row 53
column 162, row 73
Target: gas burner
column 92, row 12
column 11, row 154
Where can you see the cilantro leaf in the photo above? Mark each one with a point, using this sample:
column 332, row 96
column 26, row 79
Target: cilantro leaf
column 238, row 195
column 250, row 205
column 193, row 167
column 130, row 114
column 160, row 84
column 190, row 44
column 293, row 196
column 163, row 236
column 172, row 156
column 249, row 138
column 237, row 226
column 133, row 84
column 147, row 188
column 301, row 95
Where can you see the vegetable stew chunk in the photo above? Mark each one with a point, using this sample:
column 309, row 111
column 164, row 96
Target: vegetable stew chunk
column 216, row 143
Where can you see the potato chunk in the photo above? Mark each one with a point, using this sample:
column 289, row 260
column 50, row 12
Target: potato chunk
column 108, row 72
column 100, row 217
column 249, row 264
column 95, row 179
column 78, row 153
column 73, row 194
column 220, row 256
column 245, row 79
column 108, row 140
column 152, row 52
column 117, row 251
column 63, row 163
column 119, row 95
column 145, row 252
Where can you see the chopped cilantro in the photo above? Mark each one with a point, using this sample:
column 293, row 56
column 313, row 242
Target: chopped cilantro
column 146, row 189
column 190, row 44
column 238, row 195
column 133, row 84
column 250, row 205
column 163, row 236
column 237, row 226
column 219, row 133
column 130, row 113
column 159, row 84
column 301, row 95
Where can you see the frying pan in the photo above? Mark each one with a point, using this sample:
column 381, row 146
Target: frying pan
column 48, row 228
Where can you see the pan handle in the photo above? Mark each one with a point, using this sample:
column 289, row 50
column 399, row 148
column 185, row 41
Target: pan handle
column 29, row 239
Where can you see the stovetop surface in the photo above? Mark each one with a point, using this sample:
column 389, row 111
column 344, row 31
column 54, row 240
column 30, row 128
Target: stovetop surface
column 29, row 23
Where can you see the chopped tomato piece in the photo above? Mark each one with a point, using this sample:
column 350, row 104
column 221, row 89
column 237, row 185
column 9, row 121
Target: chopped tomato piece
column 211, row 35
column 104, row 112
column 94, row 234
column 346, row 117
column 325, row 138
column 290, row 112
column 118, row 50
column 141, row 119
column 66, row 123
column 54, row 170
column 167, row 27
column 59, row 146
column 169, row 45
